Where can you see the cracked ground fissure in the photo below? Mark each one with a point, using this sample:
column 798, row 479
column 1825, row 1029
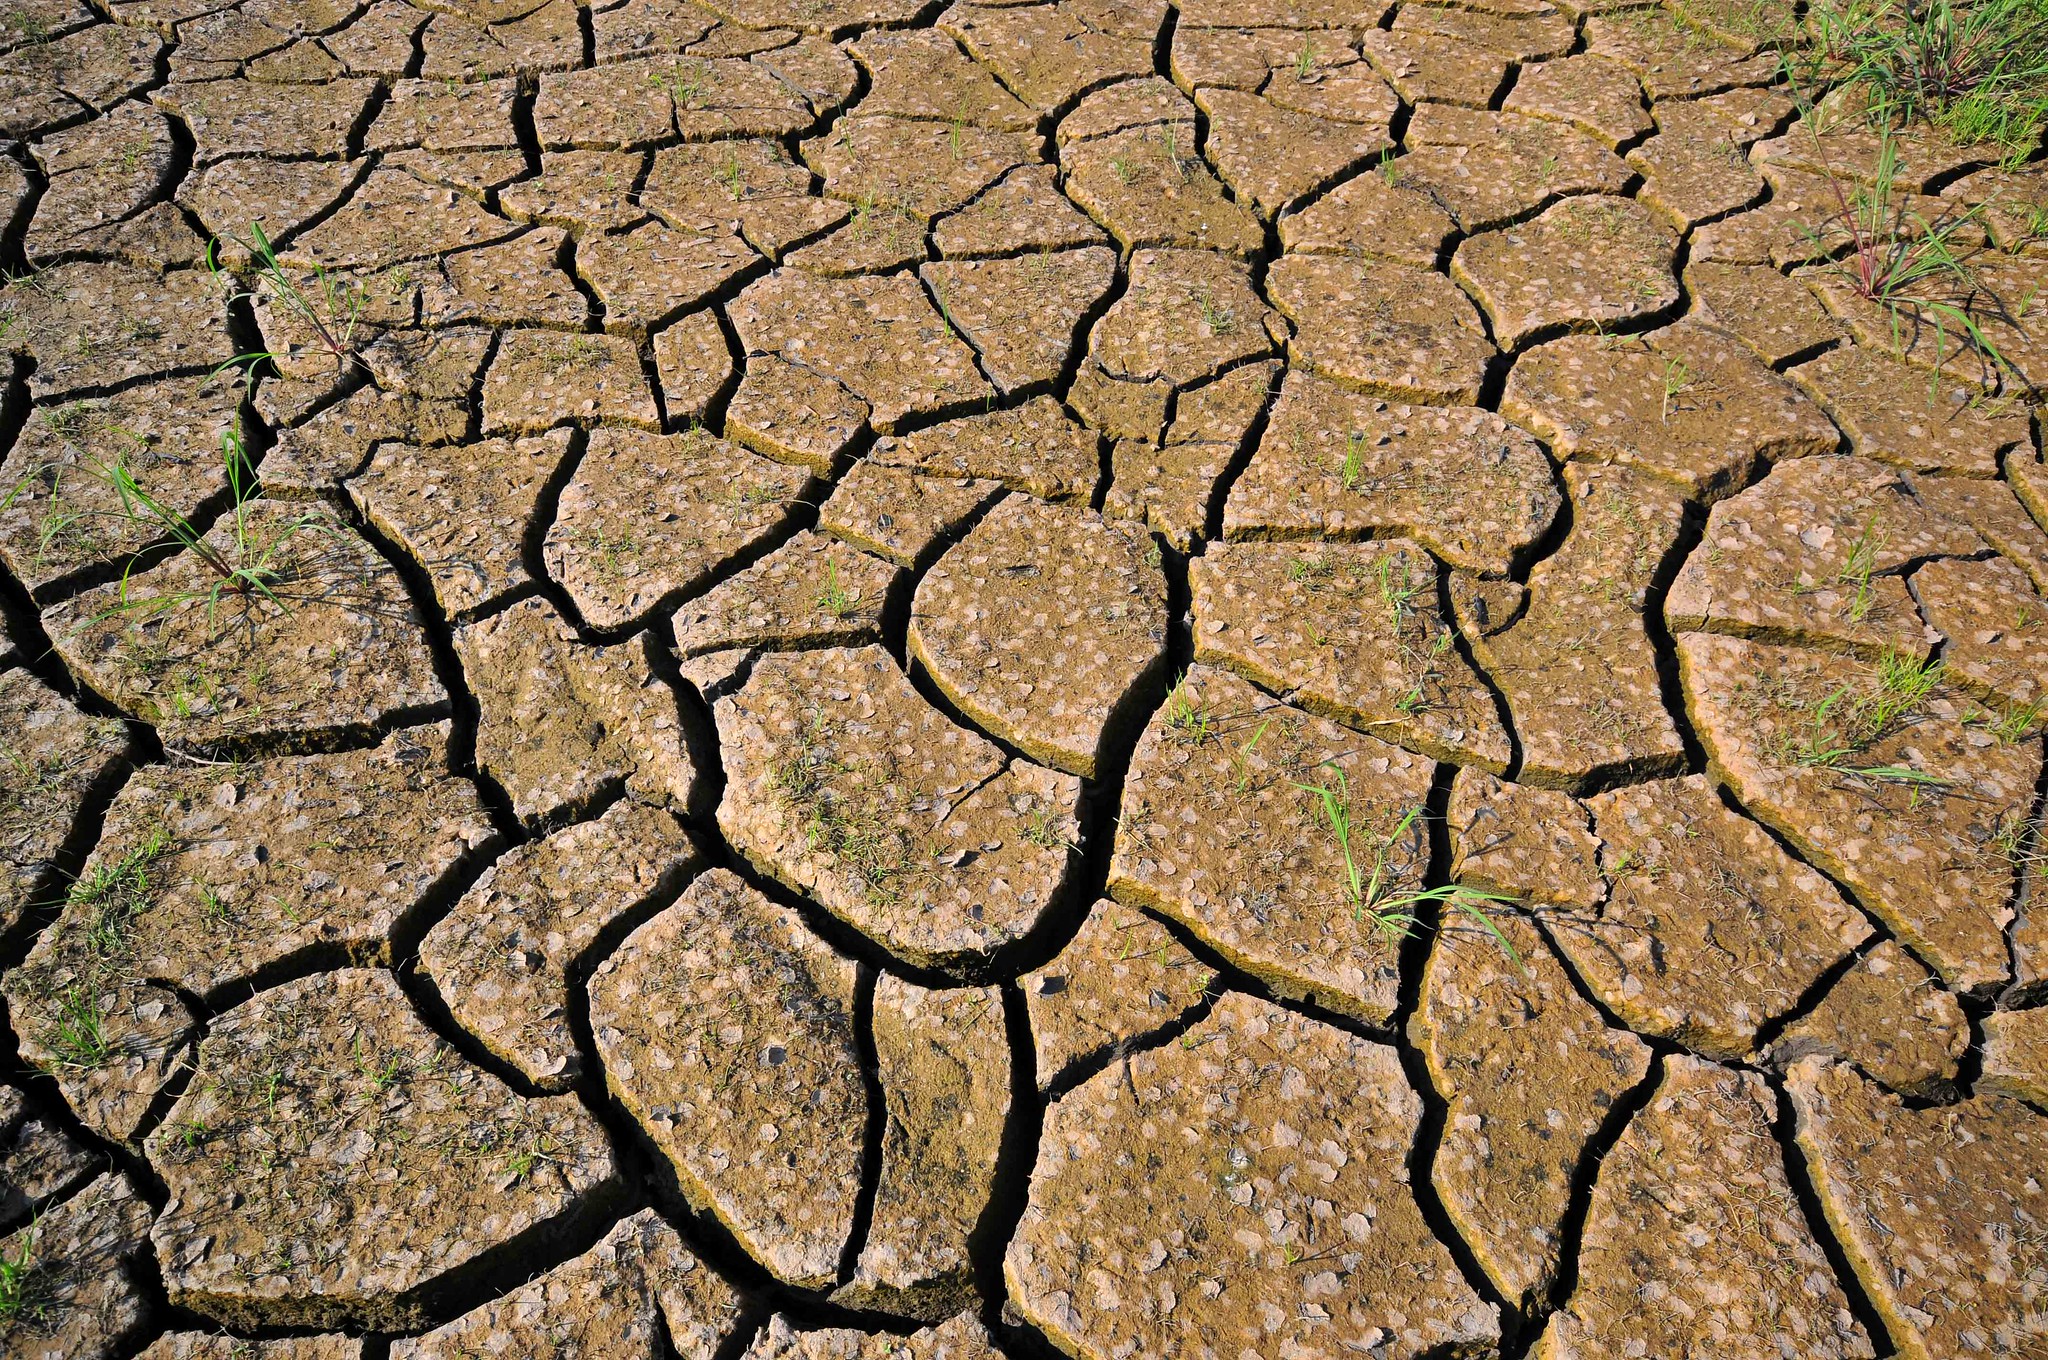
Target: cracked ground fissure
column 928, row 778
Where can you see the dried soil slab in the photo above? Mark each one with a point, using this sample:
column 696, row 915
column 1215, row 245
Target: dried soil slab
column 1049, row 54
column 249, row 118
column 1815, row 554
column 1674, row 59
column 1828, row 141
column 1890, row 1017
column 334, row 646
column 1374, row 215
column 843, row 782
column 99, row 173
column 1693, row 1209
column 648, row 276
column 1025, row 211
column 1693, row 173
column 1350, row 631
column 542, row 38
column 1272, row 1210
column 694, row 363
column 925, row 168
column 753, row 183
column 900, row 514
column 80, row 1278
column 63, row 512
column 794, row 413
column 1777, row 317
column 317, row 456
column 880, row 336
column 380, row 43
column 872, row 241
column 1685, row 403
column 1933, row 1207
column 1172, row 488
column 922, row 73
column 1595, row 93
column 1397, row 332
column 2016, row 1054
column 1023, row 315
column 1122, row 978
column 48, row 82
column 462, row 512
column 519, row 282
column 1996, row 625
column 813, row 591
column 1526, row 33
column 39, row 1160
column 589, row 191
column 1185, row 316
column 2015, row 204
column 944, row 1065
column 393, row 217
column 650, row 517
column 1428, row 67
column 961, row 1337
column 539, row 379
column 621, row 1298
column 425, row 1169
column 561, row 722
column 1577, row 665
column 1121, row 410
column 213, row 884
column 1148, row 185
column 432, row 365
column 1245, row 56
column 1917, row 854
column 52, row 757
column 1709, row 931
column 1490, row 169
column 1892, row 413
column 1532, row 1074
column 1586, row 263
column 1274, row 156
column 1043, row 625
column 96, row 325
column 1035, row 448
column 726, row 1030
column 1524, row 842
column 505, row 957
column 220, row 1346
column 1478, row 491
column 282, row 195
column 1217, row 833
column 1994, row 511
column 440, row 116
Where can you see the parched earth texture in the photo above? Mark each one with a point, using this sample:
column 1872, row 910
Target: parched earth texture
column 1289, row 679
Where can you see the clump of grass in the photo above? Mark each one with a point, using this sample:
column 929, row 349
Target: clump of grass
column 1373, row 893
column 330, row 313
column 1847, row 721
column 833, row 598
column 22, row 1293
column 1977, row 70
column 1188, row 720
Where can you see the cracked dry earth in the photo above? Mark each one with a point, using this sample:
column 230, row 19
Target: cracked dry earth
column 876, row 598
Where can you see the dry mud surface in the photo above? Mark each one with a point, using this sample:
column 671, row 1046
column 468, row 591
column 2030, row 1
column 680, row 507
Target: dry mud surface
column 1089, row 676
